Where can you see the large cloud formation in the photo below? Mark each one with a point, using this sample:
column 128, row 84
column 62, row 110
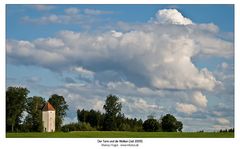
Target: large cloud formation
column 161, row 57
column 156, row 55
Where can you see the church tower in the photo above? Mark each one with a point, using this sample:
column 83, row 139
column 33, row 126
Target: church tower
column 48, row 118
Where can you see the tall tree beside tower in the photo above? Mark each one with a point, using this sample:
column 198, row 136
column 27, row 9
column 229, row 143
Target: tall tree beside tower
column 33, row 121
column 61, row 106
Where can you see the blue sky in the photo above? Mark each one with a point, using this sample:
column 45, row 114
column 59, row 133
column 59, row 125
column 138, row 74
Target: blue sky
column 158, row 59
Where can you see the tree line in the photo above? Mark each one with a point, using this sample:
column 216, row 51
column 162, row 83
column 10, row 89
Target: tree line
column 18, row 103
column 114, row 120
column 227, row 130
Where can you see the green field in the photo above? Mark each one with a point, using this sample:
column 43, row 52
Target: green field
column 119, row 134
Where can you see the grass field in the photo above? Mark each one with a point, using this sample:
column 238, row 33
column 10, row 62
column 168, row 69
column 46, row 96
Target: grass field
column 118, row 134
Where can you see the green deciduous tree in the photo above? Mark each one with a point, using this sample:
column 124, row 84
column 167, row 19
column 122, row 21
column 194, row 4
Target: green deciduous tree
column 170, row 124
column 151, row 125
column 33, row 121
column 61, row 106
column 15, row 105
column 112, row 107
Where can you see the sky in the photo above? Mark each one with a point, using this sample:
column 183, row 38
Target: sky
column 157, row 59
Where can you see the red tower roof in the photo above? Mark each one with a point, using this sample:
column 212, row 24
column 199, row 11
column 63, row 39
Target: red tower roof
column 48, row 107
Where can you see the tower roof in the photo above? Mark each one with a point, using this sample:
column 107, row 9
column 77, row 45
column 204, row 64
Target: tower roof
column 48, row 107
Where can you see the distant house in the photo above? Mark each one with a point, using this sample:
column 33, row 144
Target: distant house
column 48, row 118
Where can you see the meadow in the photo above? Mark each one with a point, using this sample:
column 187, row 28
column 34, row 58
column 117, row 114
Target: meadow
column 121, row 134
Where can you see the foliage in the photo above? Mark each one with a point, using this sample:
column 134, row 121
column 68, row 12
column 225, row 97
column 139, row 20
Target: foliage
column 151, row 125
column 94, row 118
column 134, row 124
column 17, row 102
column 86, row 127
column 111, row 120
column 33, row 120
column 112, row 107
column 60, row 105
column 170, row 124
column 227, row 130
column 15, row 105
column 167, row 123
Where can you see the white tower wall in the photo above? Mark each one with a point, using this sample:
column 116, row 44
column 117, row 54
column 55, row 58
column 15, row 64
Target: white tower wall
column 48, row 118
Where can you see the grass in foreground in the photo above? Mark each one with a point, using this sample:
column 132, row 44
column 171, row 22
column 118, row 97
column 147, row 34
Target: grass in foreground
column 121, row 134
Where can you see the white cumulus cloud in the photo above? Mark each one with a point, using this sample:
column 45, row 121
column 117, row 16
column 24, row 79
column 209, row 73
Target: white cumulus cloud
column 171, row 16
column 186, row 108
column 48, row 43
column 199, row 99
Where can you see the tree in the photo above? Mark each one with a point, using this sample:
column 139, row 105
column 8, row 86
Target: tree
column 112, row 107
column 15, row 105
column 94, row 118
column 170, row 124
column 34, row 117
column 151, row 125
column 61, row 106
